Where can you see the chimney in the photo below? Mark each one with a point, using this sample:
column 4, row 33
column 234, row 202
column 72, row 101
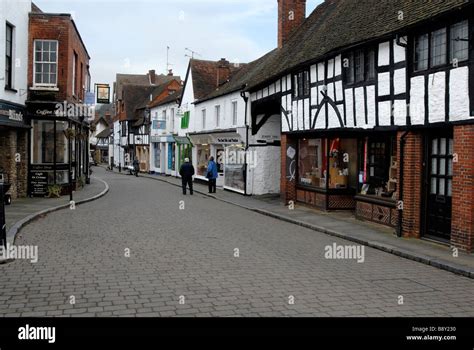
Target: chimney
column 291, row 13
column 170, row 72
column 152, row 76
column 223, row 71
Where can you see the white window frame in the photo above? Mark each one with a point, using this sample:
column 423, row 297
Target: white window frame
column 35, row 83
column 217, row 110
column 203, row 118
column 234, row 111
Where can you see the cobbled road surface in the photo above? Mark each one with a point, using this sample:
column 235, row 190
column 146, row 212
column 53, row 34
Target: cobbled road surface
column 183, row 262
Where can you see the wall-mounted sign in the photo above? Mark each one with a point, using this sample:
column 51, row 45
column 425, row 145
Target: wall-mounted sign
column 11, row 114
column 103, row 93
column 90, row 98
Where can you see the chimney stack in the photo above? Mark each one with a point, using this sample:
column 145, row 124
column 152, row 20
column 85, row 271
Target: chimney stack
column 223, row 71
column 170, row 72
column 152, row 77
column 291, row 13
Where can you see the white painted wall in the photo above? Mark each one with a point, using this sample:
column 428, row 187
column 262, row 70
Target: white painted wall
column 226, row 122
column 187, row 104
column 15, row 12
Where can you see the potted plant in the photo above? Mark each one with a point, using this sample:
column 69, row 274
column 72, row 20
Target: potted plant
column 54, row 191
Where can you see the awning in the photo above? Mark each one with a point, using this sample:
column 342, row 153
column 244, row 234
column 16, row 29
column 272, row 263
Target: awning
column 201, row 139
column 182, row 140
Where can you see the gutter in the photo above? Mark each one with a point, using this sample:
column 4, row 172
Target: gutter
column 402, row 168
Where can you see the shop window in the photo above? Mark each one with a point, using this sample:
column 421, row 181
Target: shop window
column 235, row 169
column 220, row 159
column 157, row 152
column 45, row 63
column 43, row 142
column 203, row 154
column 312, row 164
column 343, row 163
column 379, row 168
column 62, row 155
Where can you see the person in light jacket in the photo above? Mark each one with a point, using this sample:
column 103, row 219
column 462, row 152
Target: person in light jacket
column 212, row 175
column 187, row 173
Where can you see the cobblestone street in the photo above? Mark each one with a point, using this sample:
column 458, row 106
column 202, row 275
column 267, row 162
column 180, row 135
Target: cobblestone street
column 183, row 263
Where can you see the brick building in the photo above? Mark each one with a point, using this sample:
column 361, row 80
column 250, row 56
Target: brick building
column 58, row 78
column 13, row 84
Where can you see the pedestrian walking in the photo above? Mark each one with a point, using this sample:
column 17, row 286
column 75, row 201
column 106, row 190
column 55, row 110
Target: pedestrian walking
column 212, row 175
column 187, row 173
column 136, row 166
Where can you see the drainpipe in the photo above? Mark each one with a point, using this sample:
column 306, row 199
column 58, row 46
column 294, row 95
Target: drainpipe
column 402, row 168
column 244, row 96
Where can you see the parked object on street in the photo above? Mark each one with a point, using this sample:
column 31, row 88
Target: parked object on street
column 187, row 172
column 212, row 175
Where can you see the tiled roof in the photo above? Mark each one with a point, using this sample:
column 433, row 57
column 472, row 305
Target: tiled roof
column 171, row 98
column 336, row 24
column 205, row 76
column 137, row 79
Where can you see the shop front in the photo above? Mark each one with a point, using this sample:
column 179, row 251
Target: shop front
column 183, row 148
column 59, row 150
column 13, row 148
column 356, row 172
column 162, row 155
column 229, row 154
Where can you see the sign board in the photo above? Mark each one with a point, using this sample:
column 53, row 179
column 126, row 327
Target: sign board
column 12, row 115
column 90, row 98
column 103, row 93
column 39, row 183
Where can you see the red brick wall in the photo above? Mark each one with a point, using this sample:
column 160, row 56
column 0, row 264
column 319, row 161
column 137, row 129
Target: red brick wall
column 60, row 28
column 285, row 25
column 462, row 229
column 412, row 177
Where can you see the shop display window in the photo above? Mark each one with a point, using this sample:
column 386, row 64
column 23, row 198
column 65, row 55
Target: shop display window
column 343, row 163
column 62, row 155
column 234, row 171
column 157, row 152
column 312, row 162
column 203, row 154
column 379, row 168
column 220, row 160
column 43, row 142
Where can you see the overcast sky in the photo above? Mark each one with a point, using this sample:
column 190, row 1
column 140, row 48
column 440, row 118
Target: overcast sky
column 131, row 36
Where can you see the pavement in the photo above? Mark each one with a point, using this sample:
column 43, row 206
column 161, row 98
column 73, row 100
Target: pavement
column 343, row 224
column 24, row 210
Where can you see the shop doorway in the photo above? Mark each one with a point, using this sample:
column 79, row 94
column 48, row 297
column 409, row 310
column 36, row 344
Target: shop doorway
column 439, row 186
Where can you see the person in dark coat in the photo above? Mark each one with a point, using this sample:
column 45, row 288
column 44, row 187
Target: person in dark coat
column 136, row 166
column 212, row 175
column 187, row 173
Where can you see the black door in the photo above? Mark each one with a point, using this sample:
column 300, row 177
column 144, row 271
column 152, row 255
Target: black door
column 439, row 187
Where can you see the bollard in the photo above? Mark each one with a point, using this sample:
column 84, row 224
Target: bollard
column 3, row 224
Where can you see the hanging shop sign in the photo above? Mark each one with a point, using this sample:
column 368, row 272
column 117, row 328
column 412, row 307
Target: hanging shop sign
column 103, row 93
